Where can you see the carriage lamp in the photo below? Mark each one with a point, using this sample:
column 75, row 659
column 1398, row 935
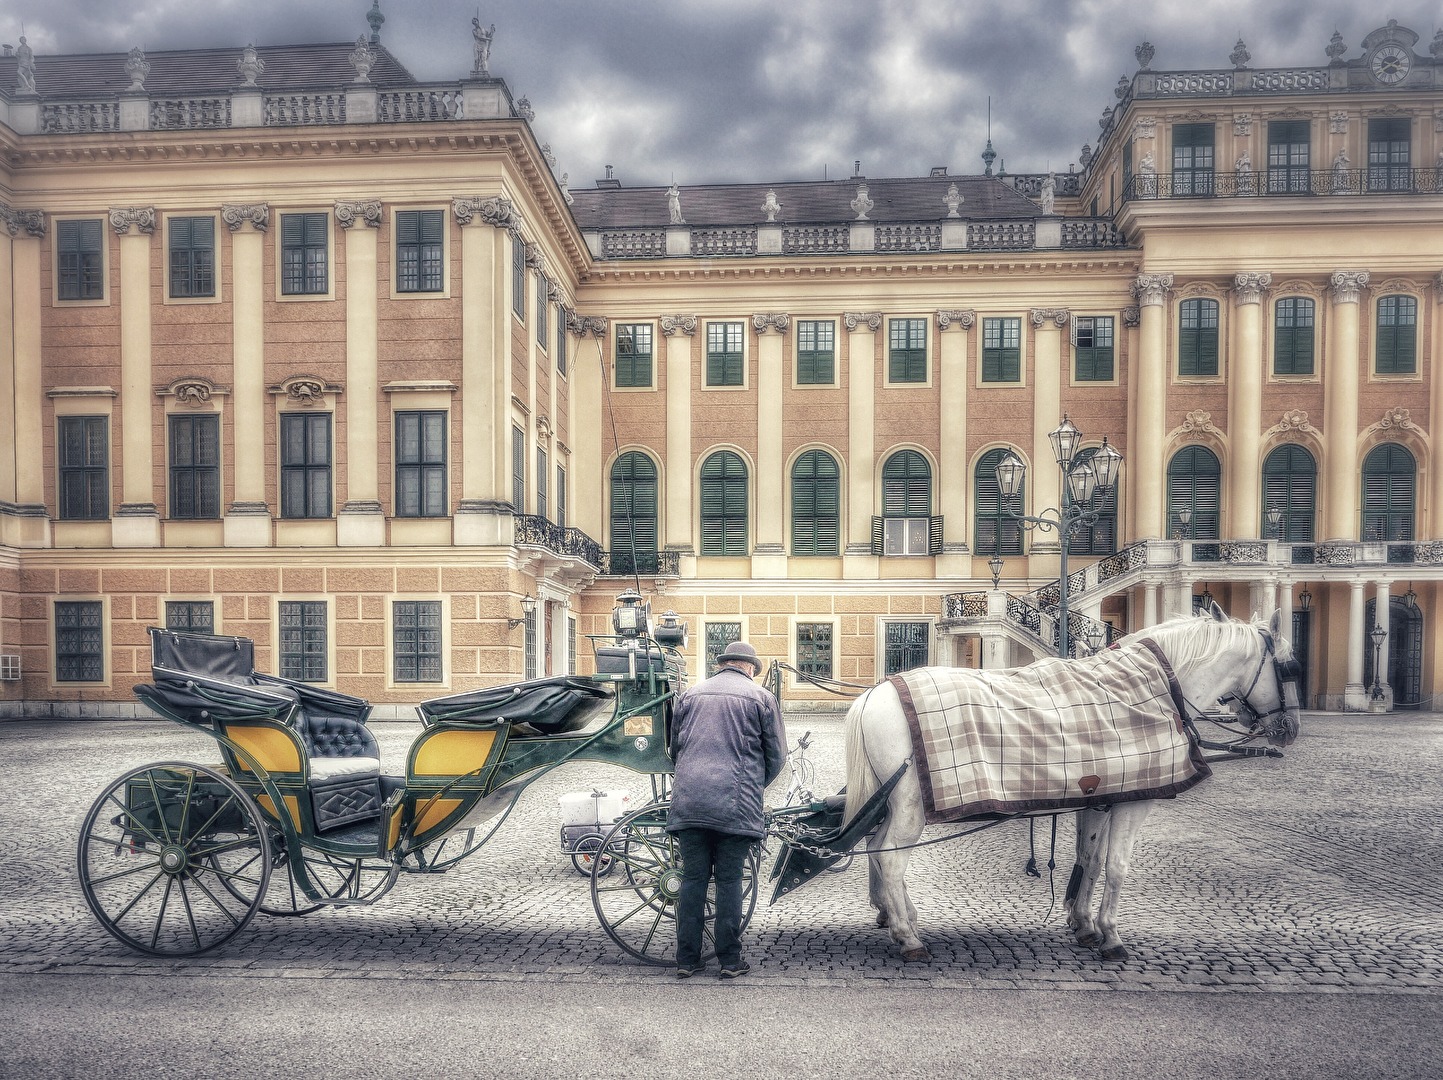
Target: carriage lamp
column 995, row 565
column 631, row 614
column 1379, row 635
column 528, row 605
column 1305, row 600
column 670, row 630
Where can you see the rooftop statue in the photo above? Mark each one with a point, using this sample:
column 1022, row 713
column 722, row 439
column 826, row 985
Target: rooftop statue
column 25, row 68
column 1048, row 195
column 673, row 204
column 481, row 48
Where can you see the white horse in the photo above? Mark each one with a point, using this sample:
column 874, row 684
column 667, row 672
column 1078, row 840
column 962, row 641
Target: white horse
column 1213, row 657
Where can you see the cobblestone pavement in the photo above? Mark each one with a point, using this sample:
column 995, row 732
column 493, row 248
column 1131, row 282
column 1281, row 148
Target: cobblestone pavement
column 1319, row 872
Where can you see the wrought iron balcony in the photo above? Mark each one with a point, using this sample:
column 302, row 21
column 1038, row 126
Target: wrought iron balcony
column 1375, row 180
column 535, row 531
column 648, row 563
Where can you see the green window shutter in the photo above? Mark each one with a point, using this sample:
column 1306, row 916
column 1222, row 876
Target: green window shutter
column 995, row 531
column 1290, row 481
column 633, row 512
column 1389, row 492
column 934, row 536
column 815, row 503
column 879, row 535
column 1194, row 480
column 724, row 505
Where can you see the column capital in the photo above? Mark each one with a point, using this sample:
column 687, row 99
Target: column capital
column 1150, row 290
column 141, row 217
column 536, row 258
column 1249, row 287
column 1347, row 285
column 670, row 324
column 496, row 211
column 1131, row 316
column 873, row 319
column 762, row 323
column 1056, row 315
column 257, row 215
column 595, row 325
column 364, row 212
column 965, row 318
column 32, row 221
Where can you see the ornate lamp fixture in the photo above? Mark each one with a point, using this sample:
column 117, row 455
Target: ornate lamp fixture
column 528, row 605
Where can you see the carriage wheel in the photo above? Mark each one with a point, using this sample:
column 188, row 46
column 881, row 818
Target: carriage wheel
column 174, row 859
column 586, row 854
column 284, row 897
column 635, row 882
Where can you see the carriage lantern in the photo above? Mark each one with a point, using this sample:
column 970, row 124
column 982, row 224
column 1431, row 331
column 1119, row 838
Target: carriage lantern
column 670, row 630
column 631, row 614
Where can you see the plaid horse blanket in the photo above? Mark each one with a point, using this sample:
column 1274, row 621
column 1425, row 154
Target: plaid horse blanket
column 1055, row 735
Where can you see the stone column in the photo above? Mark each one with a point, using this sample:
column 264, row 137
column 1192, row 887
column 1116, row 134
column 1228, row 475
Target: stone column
column 678, row 331
column 862, row 330
column 1433, row 527
column 589, row 486
column 1285, row 611
column 954, row 481
column 1245, row 405
column 362, row 520
column 1340, row 410
column 1148, row 470
column 483, row 514
column 1044, row 478
column 1149, row 605
column 1382, row 617
column 1355, row 694
column 248, row 518
column 23, row 514
column 769, row 553
column 136, row 522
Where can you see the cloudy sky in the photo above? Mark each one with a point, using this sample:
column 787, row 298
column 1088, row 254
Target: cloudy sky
column 767, row 90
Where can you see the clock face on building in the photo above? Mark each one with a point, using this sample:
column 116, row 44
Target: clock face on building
column 1390, row 63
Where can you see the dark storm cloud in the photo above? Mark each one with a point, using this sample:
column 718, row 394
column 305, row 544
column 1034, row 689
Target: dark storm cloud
column 758, row 90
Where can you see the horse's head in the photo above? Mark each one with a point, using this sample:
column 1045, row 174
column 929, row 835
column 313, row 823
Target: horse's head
column 1267, row 692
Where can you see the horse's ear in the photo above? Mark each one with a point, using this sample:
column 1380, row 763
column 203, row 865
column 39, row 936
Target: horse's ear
column 1217, row 613
column 1275, row 625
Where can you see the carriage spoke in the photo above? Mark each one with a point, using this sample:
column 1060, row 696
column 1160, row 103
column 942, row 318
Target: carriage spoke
column 160, row 919
column 138, row 824
column 221, row 849
column 136, row 898
column 629, row 914
column 123, row 873
column 189, row 915
column 185, row 809
column 656, row 922
column 210, row 820
column 224, row 910
column 226, row 875
column 159, row 808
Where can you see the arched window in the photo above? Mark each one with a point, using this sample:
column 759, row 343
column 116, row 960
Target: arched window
column 997, row 532
column 1389, row 483
column 1100, row 538
column 1397, row 335
column 1293, row 318
column 906, row 524
column 816, row 504
column 1194, row 481
column 633, row 514
column 1290, row 484
column 724, row 504
column 1197, row 340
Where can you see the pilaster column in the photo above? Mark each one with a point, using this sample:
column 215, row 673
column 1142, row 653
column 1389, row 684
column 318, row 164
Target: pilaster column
column 589, row 486
column 362, row 521
column 1126, row 496
column 678, row 331
column 1148, row 471
column 1382, row 617
column 769, row 551
column 1285, row 612
column 953, row 481
column 136, row 522
column 1045, row 477
column 1245, row 404
column 1340, row 410
column 1149, row 605
column 1433, row 524
column 862, row 330
column 483, row 515
column 1355, row 694
column 248, row 518
column 24, row 519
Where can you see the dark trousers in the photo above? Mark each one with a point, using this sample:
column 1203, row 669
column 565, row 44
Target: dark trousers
column 705, row 852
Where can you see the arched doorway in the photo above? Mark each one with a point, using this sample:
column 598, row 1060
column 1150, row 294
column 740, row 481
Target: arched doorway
column 1403, row 666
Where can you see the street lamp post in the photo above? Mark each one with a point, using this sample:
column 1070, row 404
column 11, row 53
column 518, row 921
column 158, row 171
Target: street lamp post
column 995, row 565
column 1379, row 635
column 1085, row 487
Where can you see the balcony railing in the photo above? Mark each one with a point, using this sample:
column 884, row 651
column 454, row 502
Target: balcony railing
column 535, row 531
column 648, row 563
column 1375, row 180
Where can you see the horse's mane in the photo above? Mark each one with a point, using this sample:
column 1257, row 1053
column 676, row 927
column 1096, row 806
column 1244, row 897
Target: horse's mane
column 1190, row 638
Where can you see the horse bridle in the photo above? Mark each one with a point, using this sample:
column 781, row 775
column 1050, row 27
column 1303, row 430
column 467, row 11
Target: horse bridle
column 1288, row 675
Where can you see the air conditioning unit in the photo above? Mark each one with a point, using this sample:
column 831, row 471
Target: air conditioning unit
column 9, row 667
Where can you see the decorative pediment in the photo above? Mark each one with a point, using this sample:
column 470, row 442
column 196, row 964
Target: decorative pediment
column 1397, row 285
column 305, row 391
column 1200, row 288
column 1298, row 287
column 1290, row 425
column 192, row 391
column 1199, row 420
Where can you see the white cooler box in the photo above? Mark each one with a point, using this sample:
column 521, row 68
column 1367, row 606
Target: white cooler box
column 590, row 813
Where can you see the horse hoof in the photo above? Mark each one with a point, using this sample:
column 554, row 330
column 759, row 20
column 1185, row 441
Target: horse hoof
column 1090, row 938
column 1117, row 952
column 882, row 919
column 917, row 956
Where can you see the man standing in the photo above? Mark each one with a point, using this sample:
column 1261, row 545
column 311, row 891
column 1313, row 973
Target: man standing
column 729, row 744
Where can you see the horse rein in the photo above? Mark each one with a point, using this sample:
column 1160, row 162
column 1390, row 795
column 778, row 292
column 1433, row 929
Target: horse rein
column 1287, row 673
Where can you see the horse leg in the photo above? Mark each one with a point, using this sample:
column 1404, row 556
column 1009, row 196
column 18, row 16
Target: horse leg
column 888, row 889
column 874, row 887
column 1092, row 830
column 1127, row 822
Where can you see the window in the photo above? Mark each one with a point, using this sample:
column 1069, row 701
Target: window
column 906, row 647
column 541, row 475
column 1290, row 483
column 1390, row 154
column 1194, row 483
column 1293, row 336
column 530, row 654
column 518, row 276
column 724, row 354
column 195, row 616
column 1197, row 346
column 724, row 504
column 416, row 640
column 79, row 246
column 571, row 645
column 192, row 256
column 305, row 465
column 1192, row 159
column 633, row 354
column 421, row 464
column 816, row 505
column 303, row 254
column 561, row 340
column 816, row 351
column 518, row 470
column 561, row 496
column 195, row 467
column 303, row 640
column 814, row 649
column 84, row 474
column 1389, row 482
column 1397, row 335
column 1099, row 538
column 718, row 636
column 633, row 514
column 906, row 520
column 420, row 247
column 1092, row 353
column 79, row 641
column 997, row 531
column 1288, row 155
column 907, row 350
column 543, row 308
column 1002, row 350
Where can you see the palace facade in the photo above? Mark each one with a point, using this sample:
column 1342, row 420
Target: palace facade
column 300, row 349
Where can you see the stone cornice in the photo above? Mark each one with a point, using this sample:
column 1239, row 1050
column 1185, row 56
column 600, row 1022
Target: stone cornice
column 852, row 319
column 123, row 218
column 762, row 323
column 1248, row 288
column 365, row 212
column 1056, row 315
column 256, row 215
column 670, row 324
column 965, row 318
column 1348, row 285
column 1150, row 290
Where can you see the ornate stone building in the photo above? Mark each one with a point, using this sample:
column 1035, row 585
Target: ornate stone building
column 300, row 349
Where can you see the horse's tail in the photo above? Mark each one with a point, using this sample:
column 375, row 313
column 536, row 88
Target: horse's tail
column 861, row 779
